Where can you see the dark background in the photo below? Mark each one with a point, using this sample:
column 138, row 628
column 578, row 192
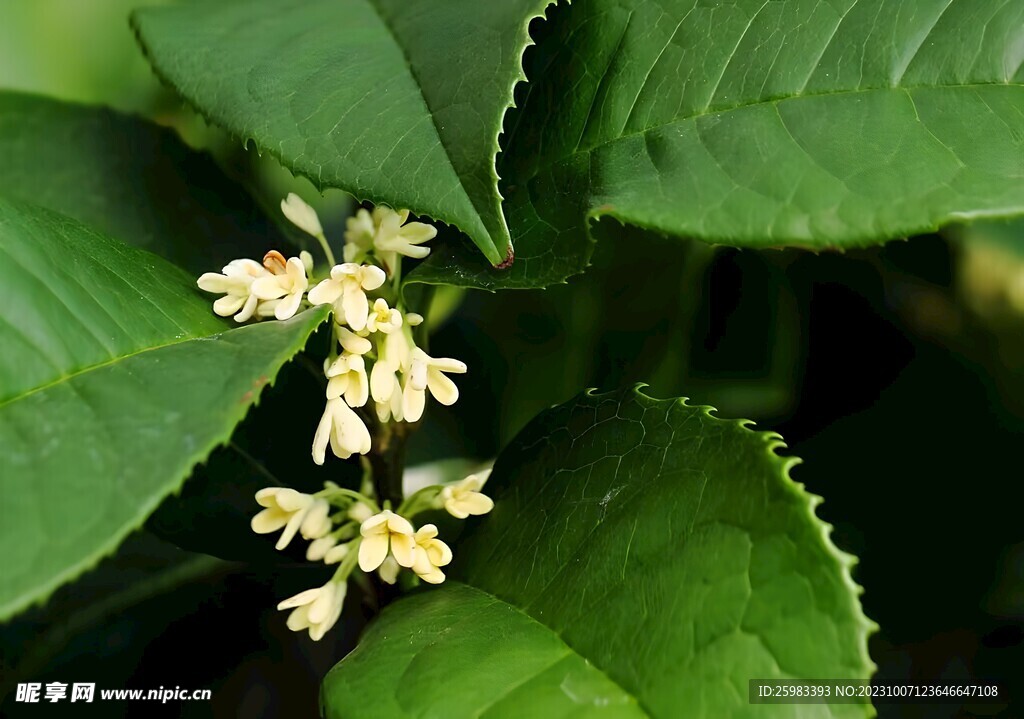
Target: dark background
column 896, row 373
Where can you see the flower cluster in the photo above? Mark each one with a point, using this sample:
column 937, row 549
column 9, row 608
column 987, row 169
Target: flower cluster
column 349, row 529
column 373, row 354
column 252, row 290
column 375, row 375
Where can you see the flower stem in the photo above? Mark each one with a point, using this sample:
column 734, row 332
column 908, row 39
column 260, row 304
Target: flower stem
column 387, row 460
column 326, row 248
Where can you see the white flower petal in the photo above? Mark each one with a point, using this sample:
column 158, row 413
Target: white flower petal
column 382, row 382
column 446, row 364
column 389, row 570
column 301, row 215
column 336, row 386
column 320, row 608
column 300, row 599
column 397, row 524
column 317, row 521
column 290, row 530
column 325, row 293
column 353, row 343
column 336, row 554
column 402, row 547
column 288, row 306
column 213, row 282
column 228, row 305
column 355, row 307
column 413, row 402
column 372, row 277
column 248, row 309
column 267, row 497
column 441, row 387
column 417, row 233
column 476, row 503
column 372, row 551
column 269, row 520
column 268, row 288
column 323, row 435
column 298, row 619
column 319, row 548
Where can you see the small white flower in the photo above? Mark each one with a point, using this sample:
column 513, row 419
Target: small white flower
column 360, row 512
column 346, row 291
column 464, row 498
column 380, row 532
column 388, row 570
column 236, row 285
column 395, row 237
column 359, row 232
column 383, row 318
column 394, row 354
column 266, row 308
column 336, row 554
column 292, row 510
column 425, row 373
column 391, row 408
column 413, row 319
column 342, row 429
column 319, row 548
column 429, row 554
column 353, row 343
column 288, row 286
column 301, row 215
column 316, row 609
column 347, row 376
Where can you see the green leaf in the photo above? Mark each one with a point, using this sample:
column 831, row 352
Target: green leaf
column 115, row 379
column 395, row 101
column 644, row 558
column 758, row 124
column 130, row 179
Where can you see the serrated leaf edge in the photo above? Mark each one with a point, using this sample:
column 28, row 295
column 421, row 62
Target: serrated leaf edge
column 46, row 590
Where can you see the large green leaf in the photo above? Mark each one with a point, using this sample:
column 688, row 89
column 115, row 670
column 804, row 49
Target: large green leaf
column 131, row 179
column 758, row 123
column 643, row 558
column 396, row 101
column 115, row 379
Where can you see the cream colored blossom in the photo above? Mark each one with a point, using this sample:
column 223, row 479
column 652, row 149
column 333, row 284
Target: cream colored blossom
column 383, row 318
column 394, row 236
column 353, row 343
column 391, row 408
column 464, row 498
column 429, row 554
column 288, row 286
column 293, row 511
column 342, row 428
column 316, row 609
column 346, row 291
column 301, row 215
column 347, row 376
column 336, row 554
column 388, row 570
column 381, row 532
column 319, row 548
column 425, row 373
column 360, row 512
column 359, row 232
column 235, row 283
column 388, row 234
column 394, row 355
